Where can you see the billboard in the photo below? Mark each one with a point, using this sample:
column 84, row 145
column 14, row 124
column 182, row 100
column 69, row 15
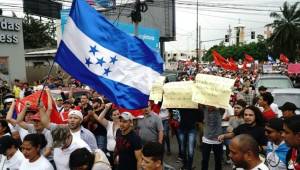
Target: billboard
column 149, row 35
column 45, row 8
column 160, row 15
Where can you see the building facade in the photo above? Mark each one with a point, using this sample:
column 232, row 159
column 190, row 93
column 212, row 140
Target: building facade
column 12, row 60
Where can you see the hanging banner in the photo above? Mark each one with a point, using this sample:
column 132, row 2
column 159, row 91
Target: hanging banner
column 212, row 90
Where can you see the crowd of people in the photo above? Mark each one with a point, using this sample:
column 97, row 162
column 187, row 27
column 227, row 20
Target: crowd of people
column 96, row 134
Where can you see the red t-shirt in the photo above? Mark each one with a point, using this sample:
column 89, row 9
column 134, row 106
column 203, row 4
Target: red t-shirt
column 269, row 114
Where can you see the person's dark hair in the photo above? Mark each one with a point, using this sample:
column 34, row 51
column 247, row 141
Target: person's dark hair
column 268, row 97
column 259, row 119
column 262, row 88
column 36, row 140
column 241, row 102
column 247, row 143
column 81, row 157
column 154, row 150
column 293, row 123
column 4, row 124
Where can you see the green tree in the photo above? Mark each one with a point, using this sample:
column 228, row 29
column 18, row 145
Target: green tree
column 286, row 36
column 258, row 50
column 37, row 34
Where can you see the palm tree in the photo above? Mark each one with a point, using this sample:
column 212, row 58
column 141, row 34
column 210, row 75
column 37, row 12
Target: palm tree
column 286, row 36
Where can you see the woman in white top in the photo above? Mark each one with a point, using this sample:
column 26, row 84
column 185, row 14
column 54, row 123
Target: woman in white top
column 31, row 148
column 111, row 127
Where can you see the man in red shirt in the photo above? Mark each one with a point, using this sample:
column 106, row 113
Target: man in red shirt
column 264, row 101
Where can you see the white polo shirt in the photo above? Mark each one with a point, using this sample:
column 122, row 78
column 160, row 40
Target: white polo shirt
column 40, row 164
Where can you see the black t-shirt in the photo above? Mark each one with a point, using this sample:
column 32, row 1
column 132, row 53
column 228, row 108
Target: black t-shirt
column 257, row 132
column 189, row 118
column 125, row 147
column 84, row 113
column 95, row 127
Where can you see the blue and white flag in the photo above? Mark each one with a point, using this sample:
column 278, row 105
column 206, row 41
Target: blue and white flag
column 270, row 59
column 115, row 64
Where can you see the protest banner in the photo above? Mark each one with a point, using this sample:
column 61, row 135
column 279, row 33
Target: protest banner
column 156, row 92
column 178, row 95
column 293, row 68
column 212, row 90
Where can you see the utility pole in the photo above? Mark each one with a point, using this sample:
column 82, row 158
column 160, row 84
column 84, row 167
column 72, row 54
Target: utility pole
column 200, row 44
column 197, row 34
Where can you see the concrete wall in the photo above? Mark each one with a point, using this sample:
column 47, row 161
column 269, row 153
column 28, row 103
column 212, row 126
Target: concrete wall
column 12, row 46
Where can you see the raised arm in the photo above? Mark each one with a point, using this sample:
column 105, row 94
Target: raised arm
column 101, row 119
column 21, row 115
column 45, row 120
column 10, row 113
column 49, row 97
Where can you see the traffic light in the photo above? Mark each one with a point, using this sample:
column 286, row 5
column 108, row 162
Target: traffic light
column 226, row 38
column 252, row 34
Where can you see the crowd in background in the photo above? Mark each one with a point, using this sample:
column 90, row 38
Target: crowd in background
column 96, row 134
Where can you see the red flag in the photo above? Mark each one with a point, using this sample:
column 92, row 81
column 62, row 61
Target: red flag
column 33, row 99
column 248, row 58
column 283, row 58
column 232, row 64
column 220, row 60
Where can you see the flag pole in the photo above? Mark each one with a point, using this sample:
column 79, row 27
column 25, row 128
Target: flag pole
column 47, row 77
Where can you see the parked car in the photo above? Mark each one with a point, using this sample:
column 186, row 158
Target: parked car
column 170, row 75
column 273, row 81
column 287, row 95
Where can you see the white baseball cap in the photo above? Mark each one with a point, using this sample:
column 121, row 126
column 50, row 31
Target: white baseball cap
column 77, row 113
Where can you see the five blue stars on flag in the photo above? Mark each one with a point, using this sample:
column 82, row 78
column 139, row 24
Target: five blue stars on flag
column 100, row 60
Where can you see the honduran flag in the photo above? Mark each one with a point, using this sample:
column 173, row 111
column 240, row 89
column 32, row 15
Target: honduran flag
column 115, row 64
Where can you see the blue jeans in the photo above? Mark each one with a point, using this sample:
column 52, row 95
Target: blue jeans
column 187, row 141
column 166, row 134
column 101, row 142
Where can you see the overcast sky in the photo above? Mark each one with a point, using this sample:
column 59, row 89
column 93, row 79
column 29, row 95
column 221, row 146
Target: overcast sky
column 214, row 20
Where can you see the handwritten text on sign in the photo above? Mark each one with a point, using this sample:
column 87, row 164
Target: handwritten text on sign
column 178, row 95
column 212, row 90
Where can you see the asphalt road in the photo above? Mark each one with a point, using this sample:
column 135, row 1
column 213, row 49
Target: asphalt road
column 171, row 159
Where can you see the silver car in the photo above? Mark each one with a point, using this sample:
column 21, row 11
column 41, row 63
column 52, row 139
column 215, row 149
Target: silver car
column 273, row 81
column 287, row 95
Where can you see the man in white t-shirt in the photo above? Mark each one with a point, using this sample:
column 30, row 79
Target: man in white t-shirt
column 75, row 119
column 244, row 153
column 9, row 148
column 64, row 144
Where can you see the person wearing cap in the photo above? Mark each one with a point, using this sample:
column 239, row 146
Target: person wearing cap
column 288, row 110
column 59, row 104
column 291, row 135
column 35, row 126
column 64, row 144
column 8, row 99
column 9, row 147
column 276, row 147
column 75, row 119
column 128, row 145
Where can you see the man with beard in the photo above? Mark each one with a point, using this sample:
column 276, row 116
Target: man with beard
column 244, row 153
column 128, row 153
column 75, row 119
